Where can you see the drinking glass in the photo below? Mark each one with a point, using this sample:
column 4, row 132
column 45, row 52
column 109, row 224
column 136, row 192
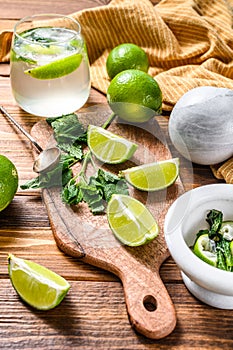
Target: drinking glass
column 50, row 74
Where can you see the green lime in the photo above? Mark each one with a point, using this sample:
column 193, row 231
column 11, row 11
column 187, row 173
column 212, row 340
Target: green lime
column 56, row 69
column 153, row 176
column 226, row 230
column 36, row 285
column 130, row 221
column 8, row 181
column 203, row 249
column 134, row 96
column 126, row 56
column 109, row 147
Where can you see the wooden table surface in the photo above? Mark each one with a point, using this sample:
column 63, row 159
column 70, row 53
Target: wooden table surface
column 93, row 315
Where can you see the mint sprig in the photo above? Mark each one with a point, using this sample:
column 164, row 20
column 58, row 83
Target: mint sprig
column 96, row 191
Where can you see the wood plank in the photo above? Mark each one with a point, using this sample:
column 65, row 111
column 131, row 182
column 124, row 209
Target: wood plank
column 38, row 245
column 93, row 316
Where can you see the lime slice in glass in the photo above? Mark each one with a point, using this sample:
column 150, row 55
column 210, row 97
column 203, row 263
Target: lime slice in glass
column 36, row 285
column 109, row 147
column 130, row 221
column 203, row 249
column 153, row 176
column 56, row 69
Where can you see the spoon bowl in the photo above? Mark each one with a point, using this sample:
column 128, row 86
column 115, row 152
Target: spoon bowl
column 47, row 159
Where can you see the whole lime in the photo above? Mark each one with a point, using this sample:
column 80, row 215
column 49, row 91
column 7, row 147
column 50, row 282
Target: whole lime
column 126, row 56
column 8, row 181
column 134, row 96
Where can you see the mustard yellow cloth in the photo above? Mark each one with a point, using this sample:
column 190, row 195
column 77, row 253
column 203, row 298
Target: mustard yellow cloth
column 189, row 43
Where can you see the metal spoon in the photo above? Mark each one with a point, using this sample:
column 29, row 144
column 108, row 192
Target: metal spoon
column 47, row 159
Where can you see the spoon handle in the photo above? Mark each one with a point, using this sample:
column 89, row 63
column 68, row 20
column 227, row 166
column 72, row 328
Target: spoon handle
column 21, row 128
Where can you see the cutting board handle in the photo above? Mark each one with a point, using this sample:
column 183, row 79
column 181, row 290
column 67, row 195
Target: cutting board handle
column 150, row 308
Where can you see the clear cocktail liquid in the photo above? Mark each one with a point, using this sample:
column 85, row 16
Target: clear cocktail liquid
column 57, row 95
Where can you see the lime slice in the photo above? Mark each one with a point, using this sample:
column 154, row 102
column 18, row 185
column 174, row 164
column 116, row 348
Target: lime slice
column 226, row 230
column 36, row 285
column 203, row 249
column 130, row 221
column 43, row 49
column 56, row 69
column 108, row 147
column 153, row 176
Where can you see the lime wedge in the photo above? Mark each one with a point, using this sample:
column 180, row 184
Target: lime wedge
column 130, row 221
column 202, row 248
column 36, row 285
column 56, row 69
column 43, row 49
column 108, row 147
column 153, row 176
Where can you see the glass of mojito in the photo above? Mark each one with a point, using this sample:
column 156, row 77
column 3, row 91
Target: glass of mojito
column 50, row 73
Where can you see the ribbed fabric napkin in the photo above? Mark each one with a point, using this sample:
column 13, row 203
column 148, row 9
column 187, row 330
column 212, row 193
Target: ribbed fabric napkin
column 189, row 43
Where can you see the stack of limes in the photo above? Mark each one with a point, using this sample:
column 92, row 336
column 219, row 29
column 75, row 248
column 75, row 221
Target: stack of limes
column 133, row 94
column 8, row 181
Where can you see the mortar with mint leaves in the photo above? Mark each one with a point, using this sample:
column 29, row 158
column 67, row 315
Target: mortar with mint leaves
column 198, row 232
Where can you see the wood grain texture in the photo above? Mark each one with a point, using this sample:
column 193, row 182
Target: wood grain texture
column 94, row 315
column 78, row 233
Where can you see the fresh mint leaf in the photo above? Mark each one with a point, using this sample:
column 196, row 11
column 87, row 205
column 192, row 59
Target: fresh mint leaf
column 93, row 198
column 58, row 176
column 224, row 255
column 72, row 150
column 71, row 193
column 109, row 184
column 214, row 219
column 68, row 129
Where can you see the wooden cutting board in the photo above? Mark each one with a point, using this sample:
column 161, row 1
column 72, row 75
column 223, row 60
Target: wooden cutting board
column 80, row 234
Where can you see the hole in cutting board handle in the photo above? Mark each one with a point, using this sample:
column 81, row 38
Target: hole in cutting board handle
column 150, row 303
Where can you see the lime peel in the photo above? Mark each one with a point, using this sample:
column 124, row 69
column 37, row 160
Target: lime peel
column 56, row 69
column 135, row 96
column 130, row 221
column 201, row 250
column 38, row 286
column 152, row 176
column 8, row 181
column 126, row 56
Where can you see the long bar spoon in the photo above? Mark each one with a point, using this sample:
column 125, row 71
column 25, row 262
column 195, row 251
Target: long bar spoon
column 47, row 158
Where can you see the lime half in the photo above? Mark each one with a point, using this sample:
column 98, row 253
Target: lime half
column 109, row 147
column 36, row 285
column 56, row 69
column 130, row 221
column 202, row 248
column 8, row 181
column 153, row 176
